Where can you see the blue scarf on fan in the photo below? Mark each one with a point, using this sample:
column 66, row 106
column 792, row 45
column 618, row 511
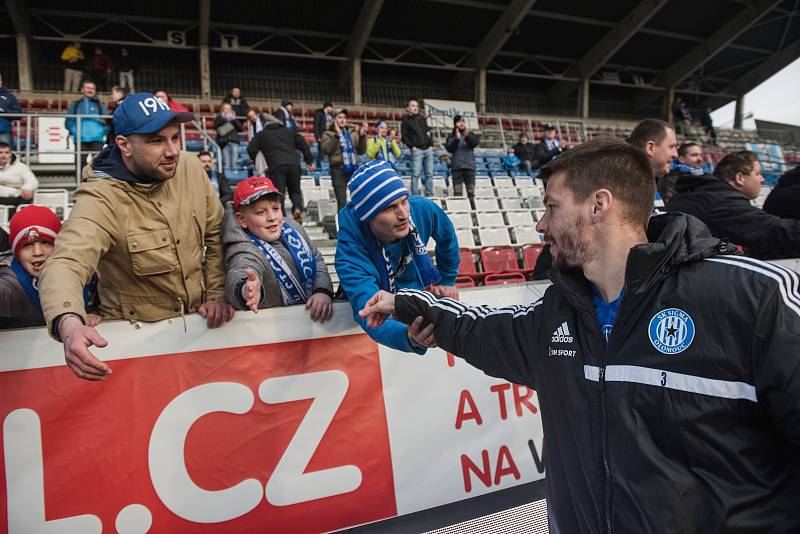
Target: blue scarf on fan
column 30, row 285
column 349, row 160
column 686, row 169
column 428, row 274
column 293, row 291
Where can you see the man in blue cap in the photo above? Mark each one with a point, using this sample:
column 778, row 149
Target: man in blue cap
column 145, row 218
column 383, row 233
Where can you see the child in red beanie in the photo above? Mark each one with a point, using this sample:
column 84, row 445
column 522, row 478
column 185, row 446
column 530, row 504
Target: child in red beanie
column 32, row 232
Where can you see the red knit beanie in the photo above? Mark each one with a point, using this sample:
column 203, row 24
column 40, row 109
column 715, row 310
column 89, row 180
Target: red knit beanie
column 33, row 223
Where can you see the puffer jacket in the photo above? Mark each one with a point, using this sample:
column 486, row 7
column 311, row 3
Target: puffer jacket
column 241, row 254
column 687, row 419
column 156, row 244
column 93, row 130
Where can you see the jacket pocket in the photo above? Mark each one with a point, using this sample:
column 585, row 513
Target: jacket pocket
column 152, row 252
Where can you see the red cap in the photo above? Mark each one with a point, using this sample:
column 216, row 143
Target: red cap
column 253, row 188
column 31, row 224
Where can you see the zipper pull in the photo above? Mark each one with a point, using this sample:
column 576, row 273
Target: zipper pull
column 180, row 301
column 602, row 378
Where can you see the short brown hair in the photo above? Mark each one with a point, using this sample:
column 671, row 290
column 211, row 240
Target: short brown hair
column 649, row 130
column 608, row 163
column 741, row 161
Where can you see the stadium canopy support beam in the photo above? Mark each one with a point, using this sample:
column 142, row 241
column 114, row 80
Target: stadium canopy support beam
column 739, row 113
column 350, row 70
column 583, row 98
column 609, row 45
column 205, row 63
column 763, row 72
column 708, row 49
column 505, row 26
column 19, row 15
column 480, row 86
column 666, row 105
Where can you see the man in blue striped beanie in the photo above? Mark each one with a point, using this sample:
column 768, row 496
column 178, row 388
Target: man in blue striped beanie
column 383, row 232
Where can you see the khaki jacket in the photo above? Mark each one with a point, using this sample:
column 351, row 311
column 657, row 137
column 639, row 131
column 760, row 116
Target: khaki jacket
column 329, row 144
column 155, row 246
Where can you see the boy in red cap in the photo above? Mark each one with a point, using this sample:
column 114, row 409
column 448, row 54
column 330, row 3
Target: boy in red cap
column 269, row 260
column 32, row 232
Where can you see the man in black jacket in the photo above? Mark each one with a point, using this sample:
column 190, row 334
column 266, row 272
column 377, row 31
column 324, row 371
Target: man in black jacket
column 218, row 179
column 279, row 145
column 524, row 151
column 784, row 199
column 690, row 161
column 417, row 136
column 550, row 147
column 722, row 202
column 657, row 140
column 461, row 144
column 237, row 102
column 322, row 117
column 660, row 413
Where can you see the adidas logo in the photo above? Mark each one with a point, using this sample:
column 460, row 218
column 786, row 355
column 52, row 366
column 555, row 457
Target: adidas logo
column 562, row 335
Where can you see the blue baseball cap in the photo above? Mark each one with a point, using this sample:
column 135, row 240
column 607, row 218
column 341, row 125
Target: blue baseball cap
column 143, row 113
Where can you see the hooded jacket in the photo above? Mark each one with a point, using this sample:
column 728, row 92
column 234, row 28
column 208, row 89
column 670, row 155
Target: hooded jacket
column 784, row 199
column 156, row 244
column 279, row 145
column 241, row 254
column 93, row 130
column 728, row 213
column 359, row 277
column 15, row 177
column 687, row 420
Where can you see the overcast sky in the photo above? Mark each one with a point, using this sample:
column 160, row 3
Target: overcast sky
column 777, row 100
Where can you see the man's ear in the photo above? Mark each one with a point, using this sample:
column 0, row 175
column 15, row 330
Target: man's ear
column 124, row 145
column 738, row 180
column 601, row 204
column 650, row 148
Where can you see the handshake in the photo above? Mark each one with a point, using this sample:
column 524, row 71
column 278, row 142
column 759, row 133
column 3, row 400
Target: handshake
column 381, row 305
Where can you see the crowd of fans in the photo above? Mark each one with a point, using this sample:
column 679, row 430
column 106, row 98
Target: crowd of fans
column 248, row 254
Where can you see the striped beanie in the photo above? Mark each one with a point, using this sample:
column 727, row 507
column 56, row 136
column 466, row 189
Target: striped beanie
column 374, row 186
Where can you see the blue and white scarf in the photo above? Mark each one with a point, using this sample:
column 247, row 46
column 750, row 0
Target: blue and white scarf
column 686, row 169
column 292, row 290
column 349, row 160
column 385, row 151
column 30, row 285
column 427, row 274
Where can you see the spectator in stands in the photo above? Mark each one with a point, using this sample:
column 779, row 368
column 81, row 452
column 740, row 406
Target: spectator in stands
column 784, row 199
column 270, row 261
column 681, row 116
column 92, row 128
column 722, row 202
column 322, row 117
column 279, row 146
column 342, row 144
column 256, row 120
column 708, row 124
column 218, row 180
column 700, row 373
column 418, row 138
column 17, row 181
column 690, row 161
column 238, row 103
column 524, row 150
column 72, row 59
column 382, row 145
column 550, row 146
column 98, row 68
column 228, row 128
column 173, row 104
column 126, row 68
column 33, row 231
column 657, row 139
column 383, row 233
column 461, row 144
column 118, row 93
column 147, row 219
column 8, row 104
column 511, row 162
column 284, row 114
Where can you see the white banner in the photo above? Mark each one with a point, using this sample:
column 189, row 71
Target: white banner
column 54, row 141
column 440, row 113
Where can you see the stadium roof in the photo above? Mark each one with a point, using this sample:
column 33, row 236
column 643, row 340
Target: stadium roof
column 710, row 50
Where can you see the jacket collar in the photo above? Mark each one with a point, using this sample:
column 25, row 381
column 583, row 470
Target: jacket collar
column 674, row 239
column 108, row 164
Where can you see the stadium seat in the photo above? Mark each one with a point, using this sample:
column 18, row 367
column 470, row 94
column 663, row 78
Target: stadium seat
column 507, row 192
column 498, row 279
column 490, row 219
column 530, row 255
column 494, row 236
column 520, row 218
column 483, row 189
column 535, row 203
column 512, row 204
column 458, row 204
column 499, row 259
column 526, row 234
column 461, row 219
column 55, row 199
column 465, row 237
column 486, row 204
column 464, row 281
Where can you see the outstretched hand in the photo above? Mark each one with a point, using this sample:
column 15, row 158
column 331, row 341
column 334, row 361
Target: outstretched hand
column 378, row 308
column 251, row 291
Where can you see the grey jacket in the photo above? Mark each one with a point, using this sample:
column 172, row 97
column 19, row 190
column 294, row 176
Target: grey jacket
column 16, row 309
column 241, row 254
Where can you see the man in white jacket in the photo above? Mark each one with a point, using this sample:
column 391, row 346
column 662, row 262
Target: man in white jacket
column 17, row 182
